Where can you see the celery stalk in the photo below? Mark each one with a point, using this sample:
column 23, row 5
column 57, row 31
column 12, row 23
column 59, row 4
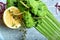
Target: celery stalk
column 43, row 31
column 50, row 15
column 50, row 26
column 54, row 32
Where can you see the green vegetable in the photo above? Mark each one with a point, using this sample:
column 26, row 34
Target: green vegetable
column 10, row 3
column 35, row 13
column 51, row 25
column 28, row 20
column 36, row 7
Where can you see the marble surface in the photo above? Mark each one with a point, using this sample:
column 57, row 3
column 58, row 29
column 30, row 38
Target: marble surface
column 32, row 33
column 9, row 34
column 1, row 37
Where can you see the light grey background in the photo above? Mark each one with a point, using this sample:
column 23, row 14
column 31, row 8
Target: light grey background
column 32, row 33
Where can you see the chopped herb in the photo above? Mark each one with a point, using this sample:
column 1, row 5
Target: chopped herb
column 10, row 11
column 15, row 17
column 16, row 26
column 13, row 25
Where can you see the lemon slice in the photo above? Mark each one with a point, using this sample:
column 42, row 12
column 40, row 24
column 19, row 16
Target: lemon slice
column 12, row 17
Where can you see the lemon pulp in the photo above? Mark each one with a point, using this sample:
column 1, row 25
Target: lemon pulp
column 9, row 19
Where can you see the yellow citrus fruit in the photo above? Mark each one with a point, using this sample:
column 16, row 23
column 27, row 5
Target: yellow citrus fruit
column 12, row 17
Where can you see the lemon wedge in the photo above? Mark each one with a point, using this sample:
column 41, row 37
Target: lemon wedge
column 12, row 17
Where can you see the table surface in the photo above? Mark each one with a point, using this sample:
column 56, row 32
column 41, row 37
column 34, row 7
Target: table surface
column 32, row 33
